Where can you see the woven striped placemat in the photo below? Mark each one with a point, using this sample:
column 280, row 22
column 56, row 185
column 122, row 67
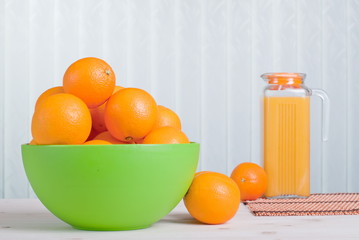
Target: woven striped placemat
column 316, row 204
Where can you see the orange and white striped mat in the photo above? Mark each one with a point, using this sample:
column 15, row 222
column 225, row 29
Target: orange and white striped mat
column 316, row 204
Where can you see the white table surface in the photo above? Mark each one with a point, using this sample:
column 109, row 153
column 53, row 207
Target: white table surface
column 22, row 219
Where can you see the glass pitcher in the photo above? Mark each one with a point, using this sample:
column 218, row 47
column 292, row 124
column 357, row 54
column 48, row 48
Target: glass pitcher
column 287, row 133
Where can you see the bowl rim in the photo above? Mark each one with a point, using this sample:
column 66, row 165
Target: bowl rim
column 110, row 145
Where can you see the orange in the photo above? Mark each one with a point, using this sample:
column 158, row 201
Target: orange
column 97, row 114
column 130, row 114
column 167, row 117
column 201, row 172
column 251, row 180
column 61, row 119
column 106, row 136
column 32, row 142
column 47, row 93
column 97, row 142
column 212, row 198
column 139, row 141
column 165, row 135
column 90, row 79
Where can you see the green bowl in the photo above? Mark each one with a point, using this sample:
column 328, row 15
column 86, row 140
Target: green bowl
column 110, row 187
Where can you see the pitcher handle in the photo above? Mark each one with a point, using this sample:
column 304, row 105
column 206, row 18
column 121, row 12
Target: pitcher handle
column 325, row 111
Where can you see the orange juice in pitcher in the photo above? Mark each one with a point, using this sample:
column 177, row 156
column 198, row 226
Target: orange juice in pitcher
column 286, row 153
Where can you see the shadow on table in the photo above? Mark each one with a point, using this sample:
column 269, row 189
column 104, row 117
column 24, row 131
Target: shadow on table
column 45, row 222
column 34, row 222
column 182, row 218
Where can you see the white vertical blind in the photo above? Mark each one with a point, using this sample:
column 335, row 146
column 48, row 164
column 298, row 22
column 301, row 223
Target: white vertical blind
column 336, row 83
column 188, row 66
column 310, row 59
column 353, row 96
column 213, row 85
column 2, row 98
column 201, row 58
column 16, row 95
column 239, row 77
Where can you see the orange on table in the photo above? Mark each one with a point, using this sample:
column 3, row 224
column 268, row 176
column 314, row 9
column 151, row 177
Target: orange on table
column 167, row 118
column 130, row 114
column 97, row 142
column 91, row 79
column 106, row 136
column 98, row 114
column 251, row 180
column 47, row 93
column 165, row 135
column 212, row 198
column 61, row 119
column 32, row 142
column 199, row 173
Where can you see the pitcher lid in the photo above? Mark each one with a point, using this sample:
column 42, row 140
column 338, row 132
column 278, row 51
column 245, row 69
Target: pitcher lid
column 284, row 78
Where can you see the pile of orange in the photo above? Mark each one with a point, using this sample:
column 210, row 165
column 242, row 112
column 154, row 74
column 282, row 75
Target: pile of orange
column 90, row 109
